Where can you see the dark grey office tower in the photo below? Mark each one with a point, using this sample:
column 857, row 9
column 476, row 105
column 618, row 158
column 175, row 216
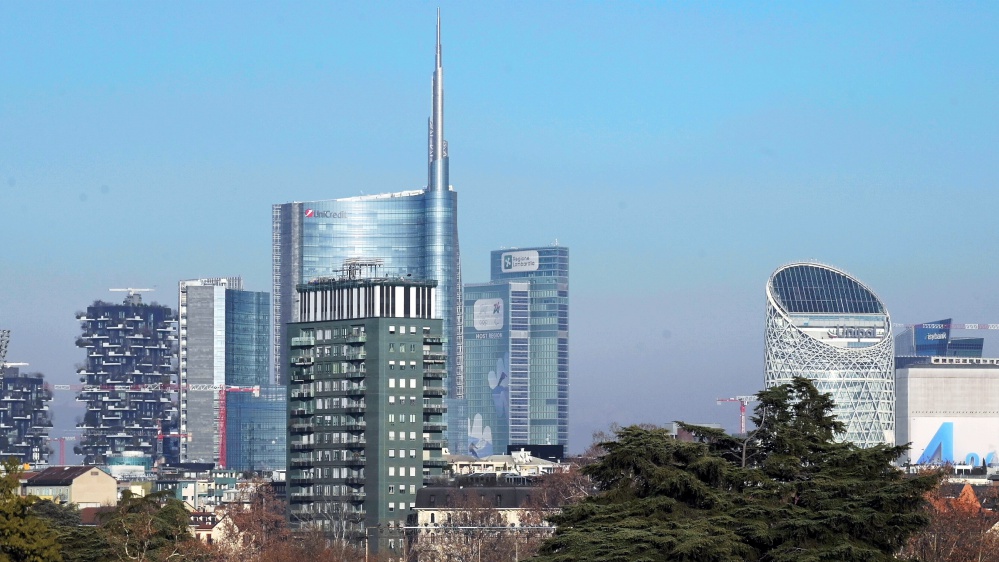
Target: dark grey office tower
column 127, row 376
column 365, row 405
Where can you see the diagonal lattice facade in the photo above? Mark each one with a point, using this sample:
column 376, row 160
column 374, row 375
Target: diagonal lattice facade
column 807, row 341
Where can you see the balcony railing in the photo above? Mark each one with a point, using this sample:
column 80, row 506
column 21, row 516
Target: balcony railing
column 303, row 341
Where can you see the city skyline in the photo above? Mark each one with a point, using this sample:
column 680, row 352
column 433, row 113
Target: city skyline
column 674, row 148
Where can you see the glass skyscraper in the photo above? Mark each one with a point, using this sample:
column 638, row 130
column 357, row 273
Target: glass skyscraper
column 224, row 345
column 517, row 352
column 404, row 234
column 825, row 325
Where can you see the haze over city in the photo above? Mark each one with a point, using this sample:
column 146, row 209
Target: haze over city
column 683, row 152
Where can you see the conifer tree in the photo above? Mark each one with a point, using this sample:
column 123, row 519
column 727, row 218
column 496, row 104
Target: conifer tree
column 24, row 537
column 787, row 492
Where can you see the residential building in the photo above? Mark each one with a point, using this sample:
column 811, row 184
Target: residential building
column 84, row 486
column 825, row 325
column 409, row 233
column 472, row 515
column 230, row 414
column 517, row 352
column 521, row 463
column 127, row 380
column 365, row 404
column 24, row 416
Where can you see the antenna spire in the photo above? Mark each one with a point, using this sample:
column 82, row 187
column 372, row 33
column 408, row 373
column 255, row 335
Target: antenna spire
column 437, row 150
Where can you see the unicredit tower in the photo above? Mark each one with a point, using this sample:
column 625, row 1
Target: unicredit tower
column 402, row 234
column 825, row 325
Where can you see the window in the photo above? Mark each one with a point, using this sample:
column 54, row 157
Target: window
column 412, row 453
column 412, row 348
column 412, row 329
column 392, row 506
column 392, row 453
column 391, row 399
column 391, row 471
column 392, row 488
column 391, row 418
column 402, row 453
column 412, row 436
column 412, row 383
column 392, row 381
column 412, row 418
column 391, row 347
column 412, row 471
column 412, row 488
column 391, row 329
column 391, row 436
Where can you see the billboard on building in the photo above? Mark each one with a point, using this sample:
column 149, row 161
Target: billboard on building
column 954, row 440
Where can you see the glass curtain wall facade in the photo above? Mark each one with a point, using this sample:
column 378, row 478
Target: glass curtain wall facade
column 517, row 351
column 827, row 326
column 407, row 234
column 225, row 354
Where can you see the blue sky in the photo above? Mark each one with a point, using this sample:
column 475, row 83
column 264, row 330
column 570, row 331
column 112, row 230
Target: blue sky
column 683, row 151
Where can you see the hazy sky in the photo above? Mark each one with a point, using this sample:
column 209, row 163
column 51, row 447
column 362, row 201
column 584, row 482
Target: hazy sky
column 683, row 151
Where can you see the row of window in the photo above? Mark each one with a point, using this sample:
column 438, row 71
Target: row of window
column 402, row 436
column 402, row 453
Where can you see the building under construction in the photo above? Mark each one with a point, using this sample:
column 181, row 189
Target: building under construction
column 130, row 361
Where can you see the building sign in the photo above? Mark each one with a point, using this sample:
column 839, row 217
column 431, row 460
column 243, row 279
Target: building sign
column 958, row 440
column 520, row 261
column 487, row 314
column 850, row 332
column 314, row 214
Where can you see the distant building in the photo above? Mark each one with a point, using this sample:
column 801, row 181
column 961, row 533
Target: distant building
column 224, row 354
column 933, row 339
column 412, row 232
column 24, row 416
column 521, row 463
column 365, row 405
column 827, row 326
column 459, row 520
column 84, row 486
column 127, row 377
column 517, row 352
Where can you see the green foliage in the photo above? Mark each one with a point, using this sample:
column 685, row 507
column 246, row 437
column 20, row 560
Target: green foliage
column 147, row 528
column 24, row 537
column 77, row 544
column 788, row 492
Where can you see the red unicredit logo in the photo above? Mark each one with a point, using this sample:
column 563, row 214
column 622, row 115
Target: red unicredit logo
column 310, row 213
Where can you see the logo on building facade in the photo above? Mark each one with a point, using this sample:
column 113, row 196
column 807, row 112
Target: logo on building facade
column 520, row 261
column 312, row 213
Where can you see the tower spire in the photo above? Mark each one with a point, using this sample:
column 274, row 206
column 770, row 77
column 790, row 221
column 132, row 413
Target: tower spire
column 437, row 145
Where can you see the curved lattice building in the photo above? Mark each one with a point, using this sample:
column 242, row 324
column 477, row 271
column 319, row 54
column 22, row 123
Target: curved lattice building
column 829, row 327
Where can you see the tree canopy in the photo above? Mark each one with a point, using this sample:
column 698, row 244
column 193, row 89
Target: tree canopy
column 24, row 537
column 787, row 492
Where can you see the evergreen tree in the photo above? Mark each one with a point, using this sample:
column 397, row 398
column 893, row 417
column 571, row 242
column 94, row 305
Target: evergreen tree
column 24, row 537
column 787, row 492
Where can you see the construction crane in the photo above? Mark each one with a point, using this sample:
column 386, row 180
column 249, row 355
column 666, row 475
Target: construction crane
column 131, row 291
column 133, row 298
column 62, row 446
column 222, row 389
column 742, row 400
column 4, row 340
column 224, row 416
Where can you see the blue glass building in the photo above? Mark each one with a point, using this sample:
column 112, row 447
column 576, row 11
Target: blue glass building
column 408, row 233
column 517, row 352
column 933, row 339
